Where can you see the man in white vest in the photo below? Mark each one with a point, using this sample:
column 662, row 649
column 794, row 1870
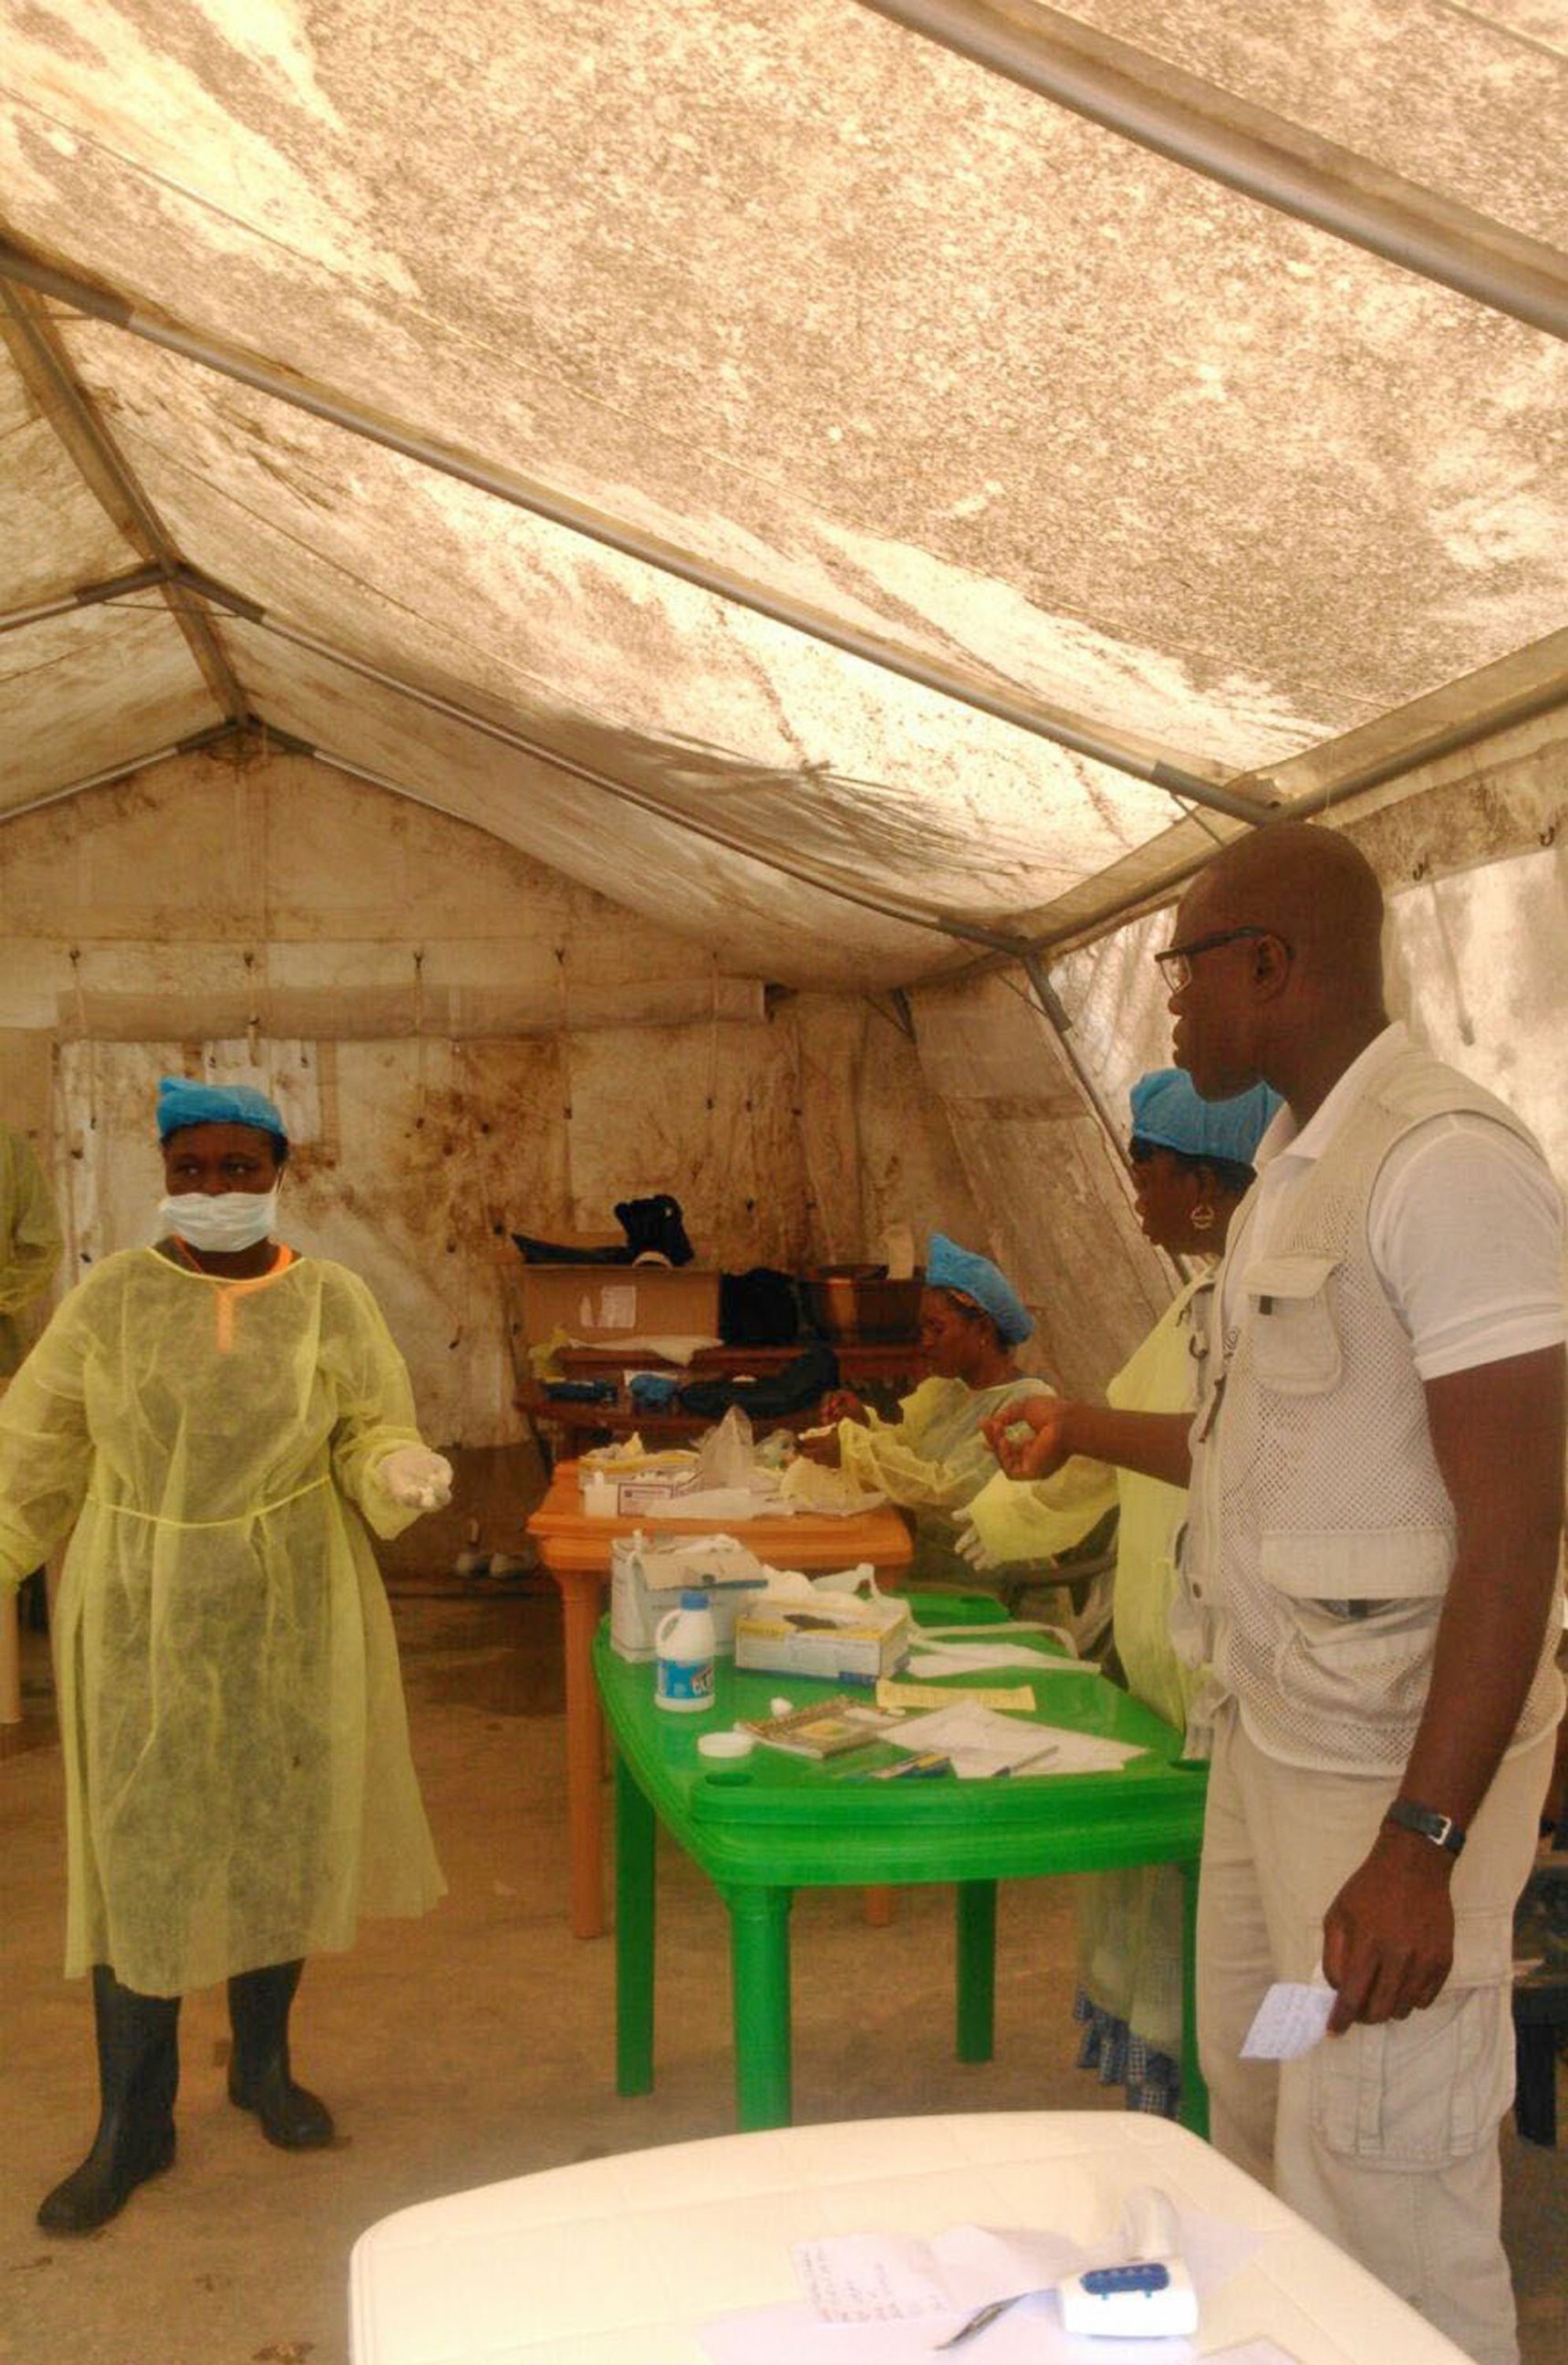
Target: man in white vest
column 1372, row 1571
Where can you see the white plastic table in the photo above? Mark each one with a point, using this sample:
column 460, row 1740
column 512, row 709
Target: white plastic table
column 617, row 2261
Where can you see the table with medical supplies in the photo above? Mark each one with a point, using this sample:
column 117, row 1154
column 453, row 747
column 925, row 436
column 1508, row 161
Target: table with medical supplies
column 561, row 1425
column 628, row 2258
column 775, row 1822
column 575, row 1550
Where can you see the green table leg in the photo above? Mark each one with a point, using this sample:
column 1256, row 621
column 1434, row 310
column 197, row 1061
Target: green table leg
column 759, row 1973
column 1194, row 2110
column 975, row 1930
column 634, row 1830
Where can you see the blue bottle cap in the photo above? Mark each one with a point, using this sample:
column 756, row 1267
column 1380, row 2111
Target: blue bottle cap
column 690, row 1601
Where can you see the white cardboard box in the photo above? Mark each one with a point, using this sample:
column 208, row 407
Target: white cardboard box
column 647, row 1579
column 847, row 1641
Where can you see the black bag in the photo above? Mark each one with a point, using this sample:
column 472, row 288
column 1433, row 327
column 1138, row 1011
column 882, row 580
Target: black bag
column 653, row 1227
column 795, row 1389
column 758, row 1308
column 551, row 1252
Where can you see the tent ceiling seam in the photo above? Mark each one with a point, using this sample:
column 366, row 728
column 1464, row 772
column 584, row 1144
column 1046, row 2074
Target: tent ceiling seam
column 1209, row 130
column 45, row 365
column 572, row 517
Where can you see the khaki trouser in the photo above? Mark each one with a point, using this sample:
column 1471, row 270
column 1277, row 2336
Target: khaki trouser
column 1385, row 2138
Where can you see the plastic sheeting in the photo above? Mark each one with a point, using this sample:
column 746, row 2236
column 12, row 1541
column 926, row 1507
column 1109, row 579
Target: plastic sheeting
column 788, row 293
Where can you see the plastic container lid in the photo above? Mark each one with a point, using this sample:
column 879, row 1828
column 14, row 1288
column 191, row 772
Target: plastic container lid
column 693, row 1600
column 726, row 1744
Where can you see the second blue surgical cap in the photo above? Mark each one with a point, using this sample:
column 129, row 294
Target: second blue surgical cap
column 1169, row 1113
column 182, row 1103
column 947, row 1266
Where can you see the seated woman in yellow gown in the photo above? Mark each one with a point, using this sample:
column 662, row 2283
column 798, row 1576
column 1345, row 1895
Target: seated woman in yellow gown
column 934, row 1456
column 1192, row 1167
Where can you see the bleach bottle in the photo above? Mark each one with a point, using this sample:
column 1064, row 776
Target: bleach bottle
column 685, row 1642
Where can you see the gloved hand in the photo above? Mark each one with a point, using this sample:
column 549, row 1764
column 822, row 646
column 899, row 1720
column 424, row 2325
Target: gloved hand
column 968, row 1545
column 414, row 1476
column 843, row 1403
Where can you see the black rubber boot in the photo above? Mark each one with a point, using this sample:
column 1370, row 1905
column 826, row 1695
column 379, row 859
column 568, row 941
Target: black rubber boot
column 139, row 2073
column 258, row 2069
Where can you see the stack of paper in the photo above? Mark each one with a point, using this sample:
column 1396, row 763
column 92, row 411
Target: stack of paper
column 979, row 1743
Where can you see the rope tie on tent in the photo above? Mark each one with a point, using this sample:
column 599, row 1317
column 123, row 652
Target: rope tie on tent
column 420, row 1036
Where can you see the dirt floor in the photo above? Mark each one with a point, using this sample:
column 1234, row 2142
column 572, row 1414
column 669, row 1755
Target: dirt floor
column 477, row 2044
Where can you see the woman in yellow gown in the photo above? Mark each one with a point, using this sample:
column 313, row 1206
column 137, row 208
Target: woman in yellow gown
column 1192, row 1167
column 216, row 1420
column 934, row 1456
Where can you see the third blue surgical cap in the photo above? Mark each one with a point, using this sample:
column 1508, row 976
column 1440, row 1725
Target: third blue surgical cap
column 1169, row 1113
column 947, row 1266
column 182, row 1103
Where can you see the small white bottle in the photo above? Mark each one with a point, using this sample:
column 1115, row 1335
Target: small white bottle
column 602, row 1497
column 686, row 1644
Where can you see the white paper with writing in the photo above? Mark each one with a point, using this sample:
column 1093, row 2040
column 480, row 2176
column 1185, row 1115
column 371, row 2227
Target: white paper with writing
column 1289, row 2022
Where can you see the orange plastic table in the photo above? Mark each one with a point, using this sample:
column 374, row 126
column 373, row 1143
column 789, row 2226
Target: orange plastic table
column 575, row 1550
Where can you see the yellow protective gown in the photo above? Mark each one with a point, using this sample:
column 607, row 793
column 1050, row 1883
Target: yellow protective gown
column 931, row 1460
column 239, row 1786
column 1130, row 1921
column 29, row 1244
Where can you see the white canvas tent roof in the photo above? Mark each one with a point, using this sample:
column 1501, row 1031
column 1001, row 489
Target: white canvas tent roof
column 818, row 489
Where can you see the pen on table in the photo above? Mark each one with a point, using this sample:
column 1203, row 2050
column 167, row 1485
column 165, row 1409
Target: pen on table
column 929, row 1762
column 1027, row 1765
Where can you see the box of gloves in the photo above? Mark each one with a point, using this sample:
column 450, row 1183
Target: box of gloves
column 839, row 1628
column 648, row 1575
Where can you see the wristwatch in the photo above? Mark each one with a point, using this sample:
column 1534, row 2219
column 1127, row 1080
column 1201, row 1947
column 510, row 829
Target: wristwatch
column 1442, row 1830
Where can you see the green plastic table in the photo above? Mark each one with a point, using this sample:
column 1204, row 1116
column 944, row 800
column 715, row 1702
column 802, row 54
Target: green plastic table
column 775, row 1823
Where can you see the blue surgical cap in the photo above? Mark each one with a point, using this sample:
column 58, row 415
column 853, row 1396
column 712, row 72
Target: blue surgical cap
column 182, row 1103
column 1169, row 1113
column 947, row 1266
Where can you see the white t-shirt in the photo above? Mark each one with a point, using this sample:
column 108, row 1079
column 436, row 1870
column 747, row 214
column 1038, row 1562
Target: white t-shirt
column 1466, row 1227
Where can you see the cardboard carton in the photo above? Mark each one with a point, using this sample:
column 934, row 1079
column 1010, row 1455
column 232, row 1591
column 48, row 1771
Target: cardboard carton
column 647, row 1577
column 610, row 1304
column 839, row 1639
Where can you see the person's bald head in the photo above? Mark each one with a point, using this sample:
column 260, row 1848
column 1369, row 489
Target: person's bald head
column 1289, row 918
column 1309, row 887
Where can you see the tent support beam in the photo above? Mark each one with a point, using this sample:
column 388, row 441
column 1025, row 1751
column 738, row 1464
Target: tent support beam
column 1090, row 922
column 195, row 743
column 47, row 369
column 1209, row 130
column 1507, row 715
column 810, row 874
column 85, row 595
column 575, row 517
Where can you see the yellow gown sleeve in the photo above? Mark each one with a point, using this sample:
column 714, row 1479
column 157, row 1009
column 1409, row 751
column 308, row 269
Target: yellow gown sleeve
column 1018, row 1521
column 376, row 1406
column 46, row 1454
column 904, row 1459
column 30, row 1242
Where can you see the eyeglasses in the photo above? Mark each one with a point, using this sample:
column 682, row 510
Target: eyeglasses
column 1175, row 963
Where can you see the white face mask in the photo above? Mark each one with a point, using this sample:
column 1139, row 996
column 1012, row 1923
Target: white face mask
column 225, row 1223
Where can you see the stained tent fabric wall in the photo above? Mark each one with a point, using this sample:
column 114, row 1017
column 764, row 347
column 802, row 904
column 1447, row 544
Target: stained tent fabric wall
column 464, row 1045
column 870, row 494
